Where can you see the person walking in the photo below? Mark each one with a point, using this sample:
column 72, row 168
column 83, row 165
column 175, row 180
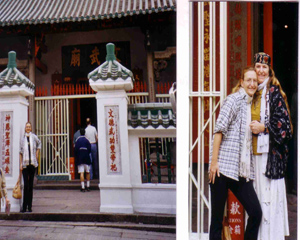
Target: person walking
column 82, row 152
column 231, row 162
column 272, row 129
column 29, row 153
column 92, row 135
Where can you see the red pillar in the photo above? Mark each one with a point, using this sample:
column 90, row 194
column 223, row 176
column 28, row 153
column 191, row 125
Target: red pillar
column 249, row 35
column 268, row 29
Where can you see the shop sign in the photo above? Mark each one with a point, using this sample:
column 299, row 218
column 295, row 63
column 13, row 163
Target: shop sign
column 79, row 60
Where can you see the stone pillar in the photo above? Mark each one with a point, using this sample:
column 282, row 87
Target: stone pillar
column 16, row 108
column 111, row 80
column 115, row 186
column 14, row 89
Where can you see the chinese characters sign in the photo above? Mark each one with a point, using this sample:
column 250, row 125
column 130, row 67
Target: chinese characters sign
column 113, row 139
column 237, row 42
column 6, row 119
column 79, row 60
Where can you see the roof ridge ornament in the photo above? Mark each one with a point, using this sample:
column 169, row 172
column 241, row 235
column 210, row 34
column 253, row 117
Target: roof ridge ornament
column 110, row 49
column 111, row 74
column 12, row 60
column 13, row 81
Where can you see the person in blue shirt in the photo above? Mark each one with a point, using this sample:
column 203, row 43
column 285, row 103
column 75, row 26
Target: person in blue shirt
column 83, row 159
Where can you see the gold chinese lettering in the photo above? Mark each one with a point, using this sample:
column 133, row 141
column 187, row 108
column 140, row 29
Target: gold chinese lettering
column 75, row 60
column 94, row 56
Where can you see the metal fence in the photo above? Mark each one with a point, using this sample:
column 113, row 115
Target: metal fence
column 158, row 160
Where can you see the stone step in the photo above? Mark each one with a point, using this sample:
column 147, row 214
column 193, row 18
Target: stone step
column 143, row 222
column 64, row 184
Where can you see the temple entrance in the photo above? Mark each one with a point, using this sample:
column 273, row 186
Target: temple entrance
column 85, row 108
column 57, row 119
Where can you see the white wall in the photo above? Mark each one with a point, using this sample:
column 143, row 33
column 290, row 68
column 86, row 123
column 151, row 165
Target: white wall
column 149, row 197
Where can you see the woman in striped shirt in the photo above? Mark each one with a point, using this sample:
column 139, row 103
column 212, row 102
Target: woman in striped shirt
column 231, row 163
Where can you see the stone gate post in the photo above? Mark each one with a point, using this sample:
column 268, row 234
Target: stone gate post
column 110, row 80
column 14, row 88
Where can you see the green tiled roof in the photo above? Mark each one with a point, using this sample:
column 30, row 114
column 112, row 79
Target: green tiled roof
column 11, row 77
column 153, row 115
column 14, row 12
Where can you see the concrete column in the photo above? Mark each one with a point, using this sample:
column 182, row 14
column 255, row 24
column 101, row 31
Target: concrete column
column 110, row 80
column 17, row 107
column 13, row 116
column 115, row 186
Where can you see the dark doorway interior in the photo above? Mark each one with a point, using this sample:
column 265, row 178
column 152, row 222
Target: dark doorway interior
column 88, row 109
column 285, row 64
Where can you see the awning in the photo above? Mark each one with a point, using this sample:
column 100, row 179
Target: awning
column 16, row 12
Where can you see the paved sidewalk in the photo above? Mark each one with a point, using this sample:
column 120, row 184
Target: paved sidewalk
column 65, row 201
column 71, row 214
column 33, row 230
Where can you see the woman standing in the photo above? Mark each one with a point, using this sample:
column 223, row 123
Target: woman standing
column 30, row 148
column 231, row 163
column 271, row 128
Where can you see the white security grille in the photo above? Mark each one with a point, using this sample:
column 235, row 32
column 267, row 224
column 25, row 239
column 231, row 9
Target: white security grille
column 206, row 93
column 52, row 128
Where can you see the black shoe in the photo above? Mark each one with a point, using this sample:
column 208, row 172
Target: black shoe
column 82, row 190
column 29, row 210
column 23, row 210
column 88, row 189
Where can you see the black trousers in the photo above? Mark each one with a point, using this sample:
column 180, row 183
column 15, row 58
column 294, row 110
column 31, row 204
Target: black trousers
column 246, row 194
column 28, row 176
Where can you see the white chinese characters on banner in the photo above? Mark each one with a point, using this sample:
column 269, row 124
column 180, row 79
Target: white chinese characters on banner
column 235, row 221
column 6, row 131
column 113, row 139
column 235, row 208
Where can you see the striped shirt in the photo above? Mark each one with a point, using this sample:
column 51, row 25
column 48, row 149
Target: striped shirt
column 231, row 123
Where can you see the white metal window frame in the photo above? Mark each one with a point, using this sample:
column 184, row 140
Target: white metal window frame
column 184, row 114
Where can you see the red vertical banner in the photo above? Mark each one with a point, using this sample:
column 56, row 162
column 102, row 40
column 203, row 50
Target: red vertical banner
column 249, row 34
column 236, row 217
column 206, row 78
column 237, row 42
